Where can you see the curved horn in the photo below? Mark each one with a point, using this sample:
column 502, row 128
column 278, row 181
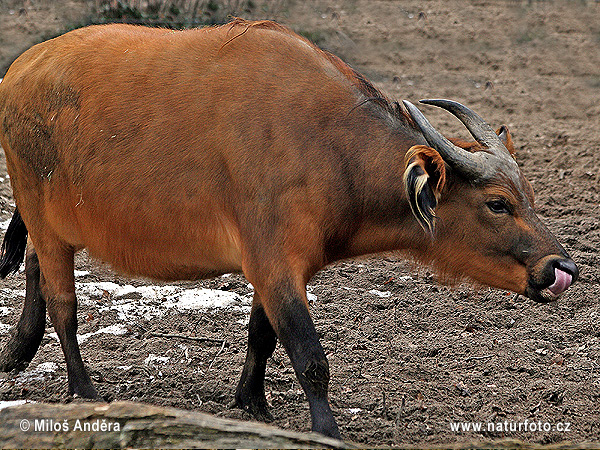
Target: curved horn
column 469, row 164
column 479, row 129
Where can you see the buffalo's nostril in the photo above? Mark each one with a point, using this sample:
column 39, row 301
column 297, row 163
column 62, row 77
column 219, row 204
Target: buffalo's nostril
column 567, row 265
column 554, row 276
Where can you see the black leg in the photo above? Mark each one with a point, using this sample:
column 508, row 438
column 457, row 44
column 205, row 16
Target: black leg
column 297, row 334
column 250, row 393
column 27, row 335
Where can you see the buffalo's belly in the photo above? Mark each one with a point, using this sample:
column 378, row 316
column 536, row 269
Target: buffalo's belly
column 144, row 241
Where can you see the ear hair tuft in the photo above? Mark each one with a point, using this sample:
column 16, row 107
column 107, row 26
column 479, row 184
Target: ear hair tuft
column 424, row 178
column 420, row 196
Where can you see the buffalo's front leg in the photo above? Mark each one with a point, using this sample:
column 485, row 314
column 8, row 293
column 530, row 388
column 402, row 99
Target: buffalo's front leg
column 287, row 309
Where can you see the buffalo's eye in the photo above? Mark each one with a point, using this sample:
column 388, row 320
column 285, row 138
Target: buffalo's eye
column 499, row 206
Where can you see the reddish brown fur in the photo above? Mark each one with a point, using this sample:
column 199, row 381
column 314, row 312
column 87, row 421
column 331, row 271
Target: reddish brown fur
column 74, row 213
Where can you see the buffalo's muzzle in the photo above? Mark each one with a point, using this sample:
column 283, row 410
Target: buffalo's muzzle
column 553, row 278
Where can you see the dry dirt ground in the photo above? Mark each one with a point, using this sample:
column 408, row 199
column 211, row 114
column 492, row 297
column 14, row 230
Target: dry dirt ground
column 408, row 356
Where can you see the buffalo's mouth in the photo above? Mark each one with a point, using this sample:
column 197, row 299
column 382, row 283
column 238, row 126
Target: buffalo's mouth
column 560, row 275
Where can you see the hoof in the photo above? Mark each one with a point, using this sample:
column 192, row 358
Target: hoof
column 259, row 409
column 85, row 391
column 19, row 350
column 97, row 398
column 13, row 366
column 9, row 363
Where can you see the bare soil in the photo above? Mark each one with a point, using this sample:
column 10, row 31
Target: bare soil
column 406, row 365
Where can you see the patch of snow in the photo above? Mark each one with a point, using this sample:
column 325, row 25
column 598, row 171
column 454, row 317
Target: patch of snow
column 5, row 223
column 97, row 289
column 37, row 374
column 10, row 403
column 47, row 367
column 4, row 310
column 245, row 321
column 380, row 293
column 203, row 299
column 130, row 309
column 4, row 328
column 154, row 359
column 153, row 301
column 354, row 410
column 117, row 330
column 311, row 297
column 81, row 273
column 112, row 329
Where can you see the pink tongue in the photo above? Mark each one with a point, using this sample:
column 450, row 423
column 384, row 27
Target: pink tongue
column 561, row 282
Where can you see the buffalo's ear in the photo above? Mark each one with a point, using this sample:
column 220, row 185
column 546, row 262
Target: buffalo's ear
column 424, row 179
column 506, row 139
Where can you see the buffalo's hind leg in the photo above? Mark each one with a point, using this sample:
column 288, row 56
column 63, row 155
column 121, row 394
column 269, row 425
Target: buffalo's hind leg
column 58, row 289
column 250, row 393
column 27, row 335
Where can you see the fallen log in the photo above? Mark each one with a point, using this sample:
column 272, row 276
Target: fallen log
column 129, row 424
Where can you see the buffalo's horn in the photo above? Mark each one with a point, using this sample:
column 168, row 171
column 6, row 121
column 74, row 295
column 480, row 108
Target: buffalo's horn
column 479, row 129
column 471, row 165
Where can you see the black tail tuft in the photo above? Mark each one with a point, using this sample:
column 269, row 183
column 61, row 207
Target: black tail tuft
column 13, row 246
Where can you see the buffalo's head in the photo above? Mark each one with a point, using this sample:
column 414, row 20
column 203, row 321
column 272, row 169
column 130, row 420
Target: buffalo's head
column 478, row 208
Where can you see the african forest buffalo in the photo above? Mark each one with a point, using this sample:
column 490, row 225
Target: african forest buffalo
column 181, row 155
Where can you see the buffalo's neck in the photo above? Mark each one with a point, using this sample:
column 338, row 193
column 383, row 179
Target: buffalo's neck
column 384, row 221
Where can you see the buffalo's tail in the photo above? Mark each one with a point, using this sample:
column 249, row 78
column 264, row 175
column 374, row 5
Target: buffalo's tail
column 13, row 246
